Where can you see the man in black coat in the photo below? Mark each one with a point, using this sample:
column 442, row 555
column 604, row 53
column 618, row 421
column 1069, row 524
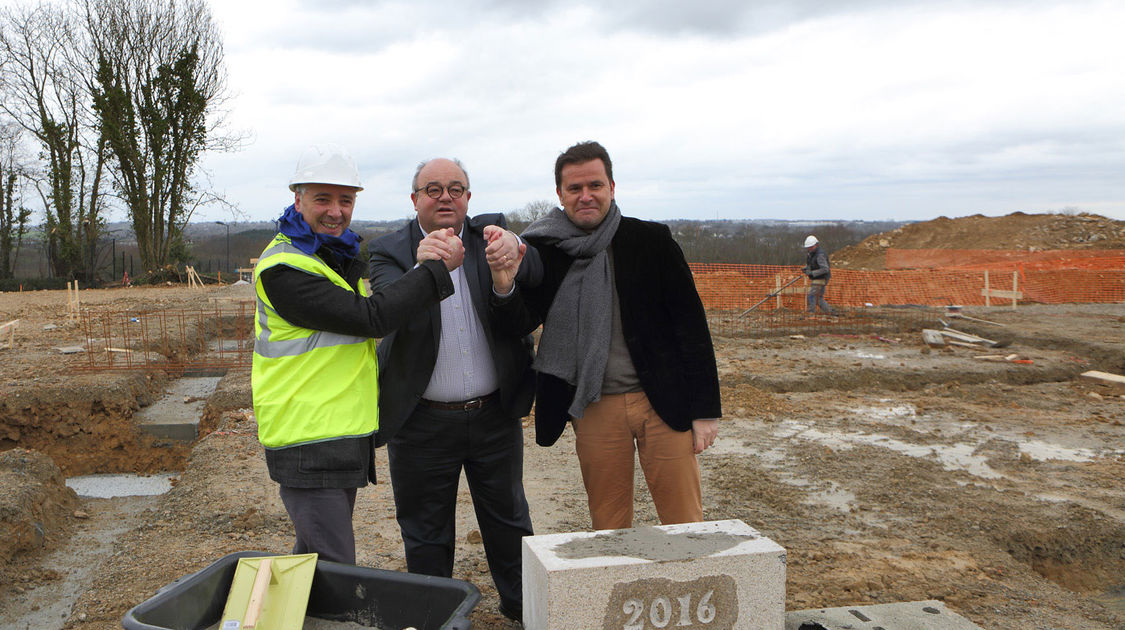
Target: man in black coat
column 625, row 355
column 453, row 386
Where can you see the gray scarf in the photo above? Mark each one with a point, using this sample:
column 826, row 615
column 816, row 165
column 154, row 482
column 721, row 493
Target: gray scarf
column 574, row 345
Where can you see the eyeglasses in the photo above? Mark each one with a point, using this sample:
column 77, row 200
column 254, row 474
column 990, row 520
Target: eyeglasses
column 433, row 191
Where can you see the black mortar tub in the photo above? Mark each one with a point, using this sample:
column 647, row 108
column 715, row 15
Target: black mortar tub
column 340, row 592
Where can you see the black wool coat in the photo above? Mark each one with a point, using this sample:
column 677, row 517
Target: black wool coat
column 662, row 318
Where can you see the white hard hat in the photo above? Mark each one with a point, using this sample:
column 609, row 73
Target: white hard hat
column 810, row 241
column 325, row 164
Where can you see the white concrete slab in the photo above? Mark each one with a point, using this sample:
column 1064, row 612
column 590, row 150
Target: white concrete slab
column 717, row 574
column 923, row 615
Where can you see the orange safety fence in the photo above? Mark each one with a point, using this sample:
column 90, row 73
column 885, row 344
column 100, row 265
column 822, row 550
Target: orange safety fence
column 741, row 300
column 1105, row 259
column 727, row 287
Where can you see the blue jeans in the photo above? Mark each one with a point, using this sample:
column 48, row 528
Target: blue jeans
column 816, row 297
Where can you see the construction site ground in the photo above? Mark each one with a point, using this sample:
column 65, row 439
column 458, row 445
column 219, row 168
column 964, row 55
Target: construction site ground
column 890, row 471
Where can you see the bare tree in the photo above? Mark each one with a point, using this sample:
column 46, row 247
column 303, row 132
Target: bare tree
column 45, row 95
column 14, row 217
column 534, row 210
column 160, row 85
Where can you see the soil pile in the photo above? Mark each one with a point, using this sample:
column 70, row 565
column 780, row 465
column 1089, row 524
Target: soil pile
column 1016, row 231
column 34, row 502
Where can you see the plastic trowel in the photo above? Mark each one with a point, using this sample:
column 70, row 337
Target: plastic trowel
column 269, row 593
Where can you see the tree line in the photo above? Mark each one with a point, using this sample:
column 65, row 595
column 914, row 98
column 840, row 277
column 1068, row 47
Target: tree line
column 106, row 102
column 761, row 242
column 757, row 242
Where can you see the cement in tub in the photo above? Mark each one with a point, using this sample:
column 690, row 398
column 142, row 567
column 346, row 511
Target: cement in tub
column 374, row 598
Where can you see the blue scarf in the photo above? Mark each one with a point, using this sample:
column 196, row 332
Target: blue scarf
column 293, row 225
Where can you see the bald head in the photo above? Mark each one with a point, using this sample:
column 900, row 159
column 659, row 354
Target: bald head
column 440, row 194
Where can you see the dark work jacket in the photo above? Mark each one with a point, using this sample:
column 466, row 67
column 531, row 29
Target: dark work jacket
column 662, row 318
column 314, row 302
column 407, row 355
column 816, row 264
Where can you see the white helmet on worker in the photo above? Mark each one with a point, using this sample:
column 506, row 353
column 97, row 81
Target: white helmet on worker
column 325, row 164
column 810, row 241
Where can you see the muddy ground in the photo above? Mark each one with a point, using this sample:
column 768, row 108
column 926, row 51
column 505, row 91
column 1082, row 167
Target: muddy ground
column 888, row 470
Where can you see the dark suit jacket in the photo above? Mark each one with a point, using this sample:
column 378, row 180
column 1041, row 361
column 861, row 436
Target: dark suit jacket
column 662, row 318
column 407, row 356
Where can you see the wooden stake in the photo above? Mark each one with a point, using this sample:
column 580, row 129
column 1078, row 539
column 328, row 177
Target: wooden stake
column 1015, row 289
column 11, row 328
column 194, row 281
column 990, row 293
column 72, row 305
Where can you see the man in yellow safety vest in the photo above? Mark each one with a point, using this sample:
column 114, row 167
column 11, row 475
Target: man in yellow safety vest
column 315, row 369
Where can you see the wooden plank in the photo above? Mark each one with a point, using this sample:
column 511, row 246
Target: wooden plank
column 954, row 342
column 964, row 336
column 1106, row 378
column 975, row 319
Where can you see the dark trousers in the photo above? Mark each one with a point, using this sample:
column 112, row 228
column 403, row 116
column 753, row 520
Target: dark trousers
column 815, row 298
column 322, row 519
column 426, row 457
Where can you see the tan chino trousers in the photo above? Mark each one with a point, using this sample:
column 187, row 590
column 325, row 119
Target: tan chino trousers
column 608, row 434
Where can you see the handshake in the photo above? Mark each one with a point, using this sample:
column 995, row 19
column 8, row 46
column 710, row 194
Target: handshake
column 503, row 253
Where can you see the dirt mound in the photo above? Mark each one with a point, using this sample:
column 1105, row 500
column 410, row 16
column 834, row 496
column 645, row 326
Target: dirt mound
column 34, row 501
column 1016, row 231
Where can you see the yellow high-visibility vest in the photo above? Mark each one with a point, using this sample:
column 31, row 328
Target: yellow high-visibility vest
column 309, row 385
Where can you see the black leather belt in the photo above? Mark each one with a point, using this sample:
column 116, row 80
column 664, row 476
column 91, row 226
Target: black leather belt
column 461, row 405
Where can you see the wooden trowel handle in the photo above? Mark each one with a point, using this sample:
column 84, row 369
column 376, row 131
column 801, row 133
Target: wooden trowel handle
column 258, row 594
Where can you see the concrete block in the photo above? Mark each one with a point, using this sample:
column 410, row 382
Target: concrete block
column 694, row 576
column 924, row 615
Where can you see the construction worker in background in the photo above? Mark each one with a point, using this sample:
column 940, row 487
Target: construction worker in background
column 818, row 272
column 314, row 367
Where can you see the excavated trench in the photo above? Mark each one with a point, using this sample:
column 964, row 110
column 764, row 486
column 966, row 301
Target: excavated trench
column 87, row 425
column 89, row 457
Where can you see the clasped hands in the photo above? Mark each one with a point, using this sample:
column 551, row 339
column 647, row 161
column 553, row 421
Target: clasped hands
column 442, row 244
column 503, row 252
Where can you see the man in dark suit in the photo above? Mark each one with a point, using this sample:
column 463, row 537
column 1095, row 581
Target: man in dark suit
column 453, row 387
column 625, row 355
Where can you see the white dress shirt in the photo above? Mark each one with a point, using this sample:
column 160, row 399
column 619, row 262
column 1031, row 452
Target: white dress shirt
column 464, row 367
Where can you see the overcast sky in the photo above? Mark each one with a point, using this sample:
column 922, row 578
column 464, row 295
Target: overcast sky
column 858, row 109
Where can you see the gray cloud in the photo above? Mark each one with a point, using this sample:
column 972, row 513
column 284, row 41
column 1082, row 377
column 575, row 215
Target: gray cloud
column 858, row 109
